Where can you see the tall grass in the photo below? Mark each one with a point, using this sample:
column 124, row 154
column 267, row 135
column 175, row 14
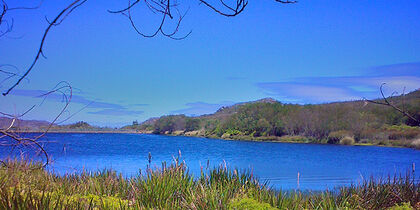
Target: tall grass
column 26, row 185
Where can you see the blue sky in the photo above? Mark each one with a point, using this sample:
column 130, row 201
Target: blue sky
column 309, row 52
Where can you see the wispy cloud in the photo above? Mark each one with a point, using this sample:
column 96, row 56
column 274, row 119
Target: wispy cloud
column 103, row 108
column 306, row 93
column 117, row 112
column 200, row 108
column 328, row 89
column 407, row 69
column 59, row 97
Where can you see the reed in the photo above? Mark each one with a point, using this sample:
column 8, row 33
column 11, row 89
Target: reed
column 26, row 185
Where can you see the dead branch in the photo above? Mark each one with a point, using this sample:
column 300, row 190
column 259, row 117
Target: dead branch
column 9, row 23
column 163, row 8
column 233, row 10
column 13, row 137
column 386, row 102
column 286, row 2
column 10, row 71
column 57, row 20
column 237, row 8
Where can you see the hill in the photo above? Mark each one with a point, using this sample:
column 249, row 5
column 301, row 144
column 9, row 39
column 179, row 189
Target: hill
column 351, row 122
column 41, row 126
column 5, row 122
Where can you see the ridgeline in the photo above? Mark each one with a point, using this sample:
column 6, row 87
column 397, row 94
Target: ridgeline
column 350, row 123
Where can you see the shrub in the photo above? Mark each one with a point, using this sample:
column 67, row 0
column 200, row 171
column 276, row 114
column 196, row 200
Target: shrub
column 409, row 134
column 402, row 132
column 336, row 136
column 249, row 203
column 347, row 140
column 403, row 206
column 225, row 135
column 416, row 144
column 294, row 139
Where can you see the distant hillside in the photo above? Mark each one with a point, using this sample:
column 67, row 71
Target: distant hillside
column 268, row 119
column 23, row 124
column 39, row 126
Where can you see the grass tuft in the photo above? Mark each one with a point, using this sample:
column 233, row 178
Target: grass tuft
column 25, row 185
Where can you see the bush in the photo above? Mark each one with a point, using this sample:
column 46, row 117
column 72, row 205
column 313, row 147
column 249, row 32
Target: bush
column 416, row 144
column 403, row 206
column 294, row 139
column 249, row 203
column 402, row 132
column 336, row 136
column 409, row 134
column 347, row 140
column 225, row 135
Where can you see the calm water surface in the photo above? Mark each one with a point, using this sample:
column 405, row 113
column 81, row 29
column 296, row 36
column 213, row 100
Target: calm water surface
column 320, row 166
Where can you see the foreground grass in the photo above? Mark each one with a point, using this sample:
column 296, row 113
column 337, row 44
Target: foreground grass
column 26, row 185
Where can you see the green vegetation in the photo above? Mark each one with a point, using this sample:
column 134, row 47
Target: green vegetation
column 249, row 203
column 26, row 185
column 355, row 122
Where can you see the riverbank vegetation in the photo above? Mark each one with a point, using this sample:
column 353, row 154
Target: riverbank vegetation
column 26, row 185
column 353, row 122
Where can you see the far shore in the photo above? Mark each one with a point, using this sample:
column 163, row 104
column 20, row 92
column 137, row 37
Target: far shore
column 81, row 132
column 273, row 139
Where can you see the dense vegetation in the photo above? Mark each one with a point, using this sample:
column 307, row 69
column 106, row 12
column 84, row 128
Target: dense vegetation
column 345, row 122
column 41, row 126
column 28, row 186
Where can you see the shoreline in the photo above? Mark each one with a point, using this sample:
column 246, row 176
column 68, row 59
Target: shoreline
column 271, row 139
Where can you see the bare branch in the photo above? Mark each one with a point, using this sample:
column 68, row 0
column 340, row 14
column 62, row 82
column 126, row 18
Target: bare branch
column 286, row 2
column 13, row 138
column 125, row 9
column 9, row 25
column 162, row 7
column 235, row 10
column 388, row 103
column 14, row 72
column 64, row 13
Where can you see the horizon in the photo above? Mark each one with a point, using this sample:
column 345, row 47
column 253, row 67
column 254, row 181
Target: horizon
column 239, row 103
column 304, row 53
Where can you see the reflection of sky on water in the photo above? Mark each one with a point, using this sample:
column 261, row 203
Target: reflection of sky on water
column 319, row 166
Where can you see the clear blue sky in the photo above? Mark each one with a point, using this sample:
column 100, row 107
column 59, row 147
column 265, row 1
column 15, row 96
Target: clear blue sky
column 309, row 52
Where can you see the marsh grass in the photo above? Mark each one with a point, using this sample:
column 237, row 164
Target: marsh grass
column 23, row 186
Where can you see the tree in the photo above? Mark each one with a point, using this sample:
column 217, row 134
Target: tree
column 192, row 124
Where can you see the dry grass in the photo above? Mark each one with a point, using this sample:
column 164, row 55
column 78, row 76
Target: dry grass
column 416, row 143
column 347, row 140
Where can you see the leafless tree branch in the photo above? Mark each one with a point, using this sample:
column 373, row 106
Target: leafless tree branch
column 286, row 2
column 8, row 24
column 13, row 137
column 57, row 20
column 237, row 8
column 162, row 7
column 387, row 102
column 234, row 10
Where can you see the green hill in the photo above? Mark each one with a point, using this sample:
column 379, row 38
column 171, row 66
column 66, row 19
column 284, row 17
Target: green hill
column 352, row 122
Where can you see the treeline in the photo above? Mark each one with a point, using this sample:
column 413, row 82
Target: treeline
column 358, row 121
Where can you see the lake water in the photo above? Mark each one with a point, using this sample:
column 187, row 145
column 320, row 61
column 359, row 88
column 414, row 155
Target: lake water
column 320, row 166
